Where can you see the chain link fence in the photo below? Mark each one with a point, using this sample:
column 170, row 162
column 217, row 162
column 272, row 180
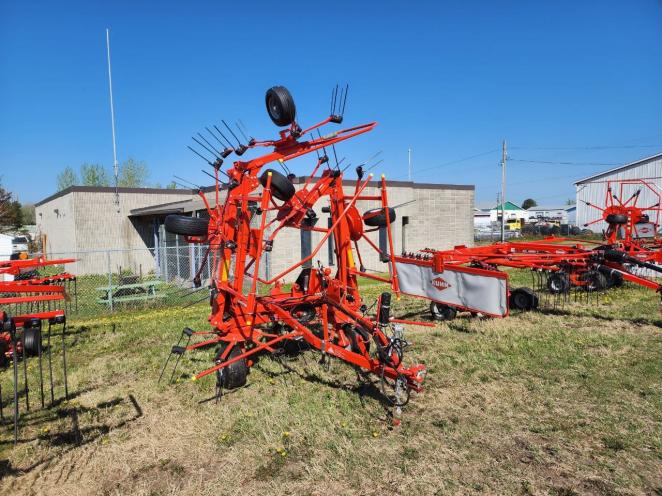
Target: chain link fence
column 122, row 279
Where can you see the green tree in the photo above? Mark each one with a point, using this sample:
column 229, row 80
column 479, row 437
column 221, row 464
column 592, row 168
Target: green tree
column 66, row 178
column 133, row 174
column 571, row 201
column 171, row 185
column 93, row 175
column 528, row 203
column 28, row 214
column 10, row 211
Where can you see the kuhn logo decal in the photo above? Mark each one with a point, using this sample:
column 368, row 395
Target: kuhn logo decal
column 440, row 284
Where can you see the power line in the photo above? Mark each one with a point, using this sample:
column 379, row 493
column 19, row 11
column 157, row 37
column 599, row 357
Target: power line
column 453, row 162
column 548, row 162
column 531, row 181
column 599, row 147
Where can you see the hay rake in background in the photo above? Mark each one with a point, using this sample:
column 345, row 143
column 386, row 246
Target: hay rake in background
column 325, row 310
column 25, row 304
column 632, row 227
column 566, row 269
column 558, row 270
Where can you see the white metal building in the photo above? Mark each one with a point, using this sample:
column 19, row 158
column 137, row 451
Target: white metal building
column 559, row 213
column 593, row 189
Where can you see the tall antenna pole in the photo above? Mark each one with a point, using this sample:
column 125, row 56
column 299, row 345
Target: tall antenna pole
column 116, row 168
column 504, row 158
column 409, row 168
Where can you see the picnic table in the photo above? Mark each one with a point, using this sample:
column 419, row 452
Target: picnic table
column 139, row 291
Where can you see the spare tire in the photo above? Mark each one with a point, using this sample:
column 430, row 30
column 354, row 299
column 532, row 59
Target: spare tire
column 186, row 226
column 280, row 106
column 377, row 217
column 281, row 187
column 617, row 219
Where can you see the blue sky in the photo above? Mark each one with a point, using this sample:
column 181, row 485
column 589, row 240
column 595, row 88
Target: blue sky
column 448, row 79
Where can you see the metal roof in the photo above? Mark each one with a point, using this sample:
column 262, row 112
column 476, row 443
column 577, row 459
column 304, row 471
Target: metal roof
column 619, row 168
column 179, row 207
column 509, row 206
column 111, row 189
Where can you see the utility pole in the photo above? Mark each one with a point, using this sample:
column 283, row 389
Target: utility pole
column 112, row 121
column 504, row 158
column 409, row 168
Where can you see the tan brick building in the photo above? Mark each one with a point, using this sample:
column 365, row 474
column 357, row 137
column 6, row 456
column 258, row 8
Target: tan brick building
column 85, row 222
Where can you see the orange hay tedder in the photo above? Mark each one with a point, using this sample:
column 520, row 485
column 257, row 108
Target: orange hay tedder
column 322, row 308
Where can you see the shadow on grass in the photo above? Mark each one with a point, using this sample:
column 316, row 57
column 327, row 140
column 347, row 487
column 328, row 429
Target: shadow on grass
column 76, row 436
column 598, row 316
column 365, row 387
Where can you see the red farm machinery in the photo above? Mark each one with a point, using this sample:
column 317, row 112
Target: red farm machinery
column 323, row 308
column 27, row 299
column 628, row 252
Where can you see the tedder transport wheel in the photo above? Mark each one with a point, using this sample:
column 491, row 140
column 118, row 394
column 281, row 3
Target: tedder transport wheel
column 186, row 226
column 32, row 340
column 617, row 219
column 595, row 281
column 280, row 106
column 440, row 311
column 523, row 299
column 377, row 217
column 558, row 283
column 281, row 187
column 234, row 375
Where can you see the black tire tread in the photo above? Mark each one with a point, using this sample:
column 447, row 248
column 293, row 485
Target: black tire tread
column 285, row 101
column 617, row 219
column 376, row 217
column 32, row 341
column 281, row 187
column 186, row 226
column 235, row 374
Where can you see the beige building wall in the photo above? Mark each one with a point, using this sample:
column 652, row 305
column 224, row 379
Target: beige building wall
column 84, row 223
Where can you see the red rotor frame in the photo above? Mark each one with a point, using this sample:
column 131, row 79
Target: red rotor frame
column 254, row 322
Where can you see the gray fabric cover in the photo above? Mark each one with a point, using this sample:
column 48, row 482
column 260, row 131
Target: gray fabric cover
column 481, row 293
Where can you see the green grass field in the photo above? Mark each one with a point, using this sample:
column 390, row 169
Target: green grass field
column 561, row 402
